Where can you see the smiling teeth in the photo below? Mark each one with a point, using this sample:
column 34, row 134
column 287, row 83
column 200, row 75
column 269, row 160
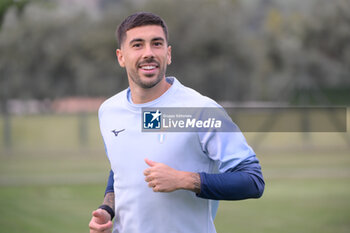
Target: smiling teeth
column 148, row 67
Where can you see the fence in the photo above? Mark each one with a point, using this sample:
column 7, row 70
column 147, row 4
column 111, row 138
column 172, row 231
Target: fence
column 50, row 131
column 81, row 131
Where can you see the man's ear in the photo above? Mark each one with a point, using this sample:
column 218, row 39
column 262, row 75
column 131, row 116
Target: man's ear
column 120, row 57
column 169, row 55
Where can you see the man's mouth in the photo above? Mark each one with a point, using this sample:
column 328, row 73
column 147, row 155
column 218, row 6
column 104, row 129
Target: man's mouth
column 148, row 66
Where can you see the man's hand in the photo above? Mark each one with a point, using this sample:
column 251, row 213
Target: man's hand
column 100, row 222
column 162, row 178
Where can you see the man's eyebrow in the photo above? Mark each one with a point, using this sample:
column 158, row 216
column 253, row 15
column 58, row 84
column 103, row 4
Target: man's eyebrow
column 136, row 40
column 158, row 38
column 142, row 40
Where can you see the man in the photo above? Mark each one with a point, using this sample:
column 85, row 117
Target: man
column 165, row 182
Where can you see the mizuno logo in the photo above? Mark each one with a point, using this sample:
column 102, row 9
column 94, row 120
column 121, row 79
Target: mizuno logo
column 116, row 132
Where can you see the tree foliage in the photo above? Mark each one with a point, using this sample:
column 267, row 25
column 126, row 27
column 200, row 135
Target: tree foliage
column 229, row 50
column 5, row 4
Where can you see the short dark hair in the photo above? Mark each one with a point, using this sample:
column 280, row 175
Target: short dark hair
column 137, row 20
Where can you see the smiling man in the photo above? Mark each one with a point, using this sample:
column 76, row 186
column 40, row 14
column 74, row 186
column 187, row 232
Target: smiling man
column 165, row 182
column 145, row 55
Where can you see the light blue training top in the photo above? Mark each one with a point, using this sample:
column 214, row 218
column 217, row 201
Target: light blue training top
column 138, row 208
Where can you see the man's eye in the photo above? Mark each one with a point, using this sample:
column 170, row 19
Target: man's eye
column 136, row 45
column 158, row 43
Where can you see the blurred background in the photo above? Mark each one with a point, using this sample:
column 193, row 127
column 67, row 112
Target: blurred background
column 58, row 64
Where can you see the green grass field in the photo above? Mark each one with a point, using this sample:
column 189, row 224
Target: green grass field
column 50, row 182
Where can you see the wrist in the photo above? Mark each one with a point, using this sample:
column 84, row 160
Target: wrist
column 109, row 210
column 190, row 181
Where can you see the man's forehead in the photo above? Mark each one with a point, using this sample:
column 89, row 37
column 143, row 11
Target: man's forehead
column 147, row 32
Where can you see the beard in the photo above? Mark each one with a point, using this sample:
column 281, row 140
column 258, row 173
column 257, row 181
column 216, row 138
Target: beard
column 149, row 81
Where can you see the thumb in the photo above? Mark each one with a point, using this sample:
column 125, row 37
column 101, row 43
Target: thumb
column 100, row 215
column 150, row 162
column 97, row 213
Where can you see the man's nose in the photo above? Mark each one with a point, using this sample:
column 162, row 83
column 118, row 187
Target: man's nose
column 148, row 52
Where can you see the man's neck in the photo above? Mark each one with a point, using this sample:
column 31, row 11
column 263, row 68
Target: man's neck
column 141, row 95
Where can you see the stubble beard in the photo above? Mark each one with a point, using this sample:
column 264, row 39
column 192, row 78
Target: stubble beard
column 147, row 85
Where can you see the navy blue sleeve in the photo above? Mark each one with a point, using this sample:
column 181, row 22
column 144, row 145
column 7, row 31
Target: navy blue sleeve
column 243, row 182
column 110, row 182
